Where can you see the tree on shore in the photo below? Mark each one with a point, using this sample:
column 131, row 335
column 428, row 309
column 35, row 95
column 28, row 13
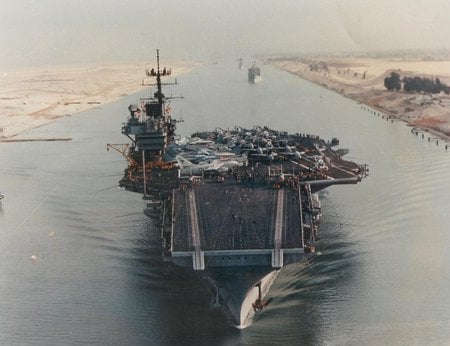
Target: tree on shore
column 415, row 84
column 317, row 66
column 424, row 84
column 393, row 82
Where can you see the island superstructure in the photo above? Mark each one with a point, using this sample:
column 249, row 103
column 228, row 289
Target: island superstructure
column 234, row 206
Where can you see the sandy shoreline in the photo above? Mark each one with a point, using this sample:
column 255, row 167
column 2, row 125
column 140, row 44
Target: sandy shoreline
column 362, row 79
column 36, row 96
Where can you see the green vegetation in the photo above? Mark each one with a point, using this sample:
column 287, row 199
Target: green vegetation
column 393, row 82
column 427, row 85
column 417, row 84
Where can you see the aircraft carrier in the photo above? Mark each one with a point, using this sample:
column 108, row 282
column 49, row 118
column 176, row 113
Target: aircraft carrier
column 233, row 205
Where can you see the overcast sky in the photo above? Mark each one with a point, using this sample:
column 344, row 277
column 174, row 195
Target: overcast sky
column 67, row 31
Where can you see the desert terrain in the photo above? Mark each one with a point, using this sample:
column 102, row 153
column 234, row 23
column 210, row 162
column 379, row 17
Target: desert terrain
column 362, row 79
column 32, row 97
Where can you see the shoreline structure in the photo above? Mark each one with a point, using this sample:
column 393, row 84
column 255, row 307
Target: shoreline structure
column 33, row 97
column 362, row 80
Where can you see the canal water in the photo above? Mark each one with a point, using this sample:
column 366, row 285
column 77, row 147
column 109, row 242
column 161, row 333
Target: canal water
column 80, row 263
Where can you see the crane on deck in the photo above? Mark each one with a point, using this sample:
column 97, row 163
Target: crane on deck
column 124, row 150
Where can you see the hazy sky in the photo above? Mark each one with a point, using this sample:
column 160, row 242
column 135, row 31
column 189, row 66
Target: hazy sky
column 59, row 31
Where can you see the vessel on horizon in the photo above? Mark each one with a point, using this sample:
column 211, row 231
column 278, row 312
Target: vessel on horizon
column 254, row 74
column 232, row 206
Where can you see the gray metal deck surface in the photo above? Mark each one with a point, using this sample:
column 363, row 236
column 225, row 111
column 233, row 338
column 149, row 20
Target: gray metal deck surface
column 235, row 215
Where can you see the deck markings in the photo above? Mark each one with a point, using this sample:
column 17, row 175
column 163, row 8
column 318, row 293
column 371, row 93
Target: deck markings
column 279, row 218
column 277, row 254
column 197, row 256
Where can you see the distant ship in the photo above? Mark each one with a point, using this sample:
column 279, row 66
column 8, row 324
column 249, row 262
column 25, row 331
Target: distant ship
column 254, row 74
column 233, row 206
column 241, row 64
